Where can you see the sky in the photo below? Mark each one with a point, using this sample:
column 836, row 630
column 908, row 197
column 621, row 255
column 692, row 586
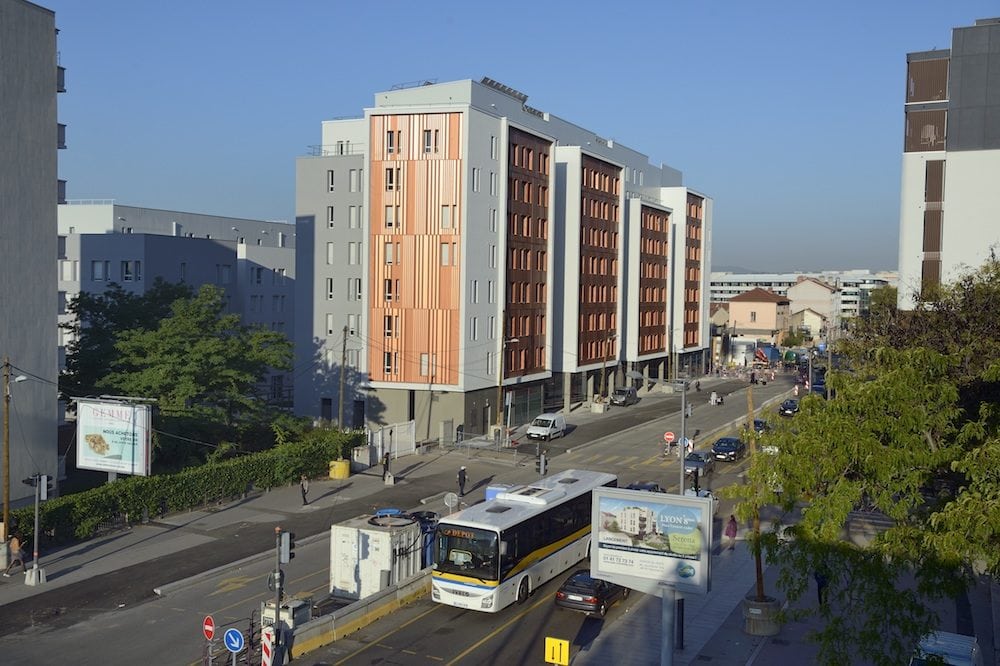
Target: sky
column 788, row 114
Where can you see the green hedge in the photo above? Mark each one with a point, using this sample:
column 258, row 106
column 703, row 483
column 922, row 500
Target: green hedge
column 78, row 516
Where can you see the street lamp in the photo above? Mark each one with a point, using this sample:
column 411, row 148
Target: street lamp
column 6, row 442
column 604, row 361
column 503, row 353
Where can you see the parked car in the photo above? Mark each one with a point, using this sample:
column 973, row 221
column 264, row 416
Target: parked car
column 760, row 426
column 789, row 408
column 547, row 426
column 592, row 596
column 701, row 462
column 624, row 396
column 690, row 492
column 650, row 486
column 729, row 449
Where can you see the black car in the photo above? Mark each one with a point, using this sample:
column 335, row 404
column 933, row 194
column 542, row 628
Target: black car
column 650, row 486
column 789, row 408
column 699, row 461
column 760, row 426
column 582, row 593
column 729, row 449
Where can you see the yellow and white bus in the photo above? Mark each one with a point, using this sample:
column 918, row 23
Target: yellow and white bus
column 495, row 553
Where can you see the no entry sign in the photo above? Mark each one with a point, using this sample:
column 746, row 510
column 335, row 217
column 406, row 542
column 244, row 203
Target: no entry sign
column 208, row 627
column 668, row 437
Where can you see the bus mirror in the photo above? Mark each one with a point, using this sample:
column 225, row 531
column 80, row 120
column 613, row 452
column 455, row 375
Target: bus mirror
column 503, row 548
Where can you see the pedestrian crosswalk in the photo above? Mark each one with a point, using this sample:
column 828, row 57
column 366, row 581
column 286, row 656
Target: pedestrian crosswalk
column 603, row 460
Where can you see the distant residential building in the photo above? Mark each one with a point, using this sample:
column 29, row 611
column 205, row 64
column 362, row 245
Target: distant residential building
column 816, row 295
column 755, row 317
column 30, row 77
column 462, row 245
column 253, row 261
column 808, row 321
column 949, row 200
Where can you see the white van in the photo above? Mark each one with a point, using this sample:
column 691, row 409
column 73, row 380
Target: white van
column 955, row 649
column 547, row 426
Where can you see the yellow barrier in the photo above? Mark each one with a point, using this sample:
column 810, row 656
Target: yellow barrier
column 340, row 469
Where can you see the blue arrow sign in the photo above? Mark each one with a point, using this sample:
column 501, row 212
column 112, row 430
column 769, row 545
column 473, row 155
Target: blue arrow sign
column 233, row 640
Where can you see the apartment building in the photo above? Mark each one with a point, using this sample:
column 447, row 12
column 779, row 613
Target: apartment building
column 253, row 261
column 30, row 77
column 470, row 253
column 949, row 202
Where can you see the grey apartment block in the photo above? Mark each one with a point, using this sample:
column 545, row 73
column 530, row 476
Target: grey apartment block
column 253, row 261
column 29, row 80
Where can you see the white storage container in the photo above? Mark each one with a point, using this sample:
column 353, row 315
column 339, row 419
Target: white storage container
column 368, row 554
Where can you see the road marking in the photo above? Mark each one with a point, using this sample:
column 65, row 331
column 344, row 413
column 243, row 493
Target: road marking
column 389, row 633
column 651, row 461
column 233, row 584
column 627, row 460
column 545, row 599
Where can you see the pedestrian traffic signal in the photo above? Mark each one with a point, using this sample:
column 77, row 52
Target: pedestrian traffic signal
column 45, row 482
column 286, row 552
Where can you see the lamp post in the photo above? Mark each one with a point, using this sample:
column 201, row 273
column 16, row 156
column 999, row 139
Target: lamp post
column 500, row 410
column 604, row 361
column 6, row 442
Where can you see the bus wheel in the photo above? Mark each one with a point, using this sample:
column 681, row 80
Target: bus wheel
column 522, row 591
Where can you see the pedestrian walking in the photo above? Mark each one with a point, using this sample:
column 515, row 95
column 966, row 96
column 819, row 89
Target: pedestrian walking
column 822, row 583
column 689, row 445
column 16, row 555
column 731, row 529
column 697, row 386
column 304, row 487
column 461, row 481
column 385, row 465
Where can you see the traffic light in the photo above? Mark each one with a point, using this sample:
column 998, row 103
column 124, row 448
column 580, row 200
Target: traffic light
column 286, row 552
column 45, row 481
column 541, row 464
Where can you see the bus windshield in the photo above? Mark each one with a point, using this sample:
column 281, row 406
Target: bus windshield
column 467, row 551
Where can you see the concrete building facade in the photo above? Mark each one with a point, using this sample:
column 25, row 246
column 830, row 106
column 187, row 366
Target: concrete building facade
column 465, row 246
column 949, row 202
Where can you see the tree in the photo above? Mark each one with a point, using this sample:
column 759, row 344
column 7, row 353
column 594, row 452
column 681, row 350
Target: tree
column 98, row 321
column 204, row 368
column 912, row 439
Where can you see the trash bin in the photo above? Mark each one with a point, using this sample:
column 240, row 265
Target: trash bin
column 340, row 469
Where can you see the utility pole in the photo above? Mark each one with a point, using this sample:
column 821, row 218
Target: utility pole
column 278, row 575
column 6, row 446
column 343, row 372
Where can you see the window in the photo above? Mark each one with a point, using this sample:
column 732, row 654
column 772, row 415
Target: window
column 330, row 259
column 475, row 180
column 390, row 141
column 61, row 302
column 67, row 270
column 387, row 289
column 390, row 216
column 387, row 324
column 389, row 253
column 445, row 254
column 329, row 324
column 493, row 291
column 99, row 271
column 493, row 327
column 493, row 147
column 276, row 305
column 354, row 289
column 493, row 256
column 475, row 291
column 278, row 276
column 223, row 273
column 392, row 181
column 329, row 217
column 493, row 220
column 387, row 362
column 329, row 289
column 428, row 140
column 354, row 217
column 353, row 357
column 355, row 180
column 354, row 253
column 446, row 217
column 753, row 317
column 474, row 328
column 425, row 362
column 277, row 386
column 329, row 181
column 493, row 184
column 352, row 324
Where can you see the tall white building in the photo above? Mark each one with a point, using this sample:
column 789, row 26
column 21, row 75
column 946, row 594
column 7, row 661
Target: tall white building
column 30, row 77
column 949, row 200
column 464, row 246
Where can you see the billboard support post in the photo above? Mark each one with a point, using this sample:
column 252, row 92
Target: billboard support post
column 668, row 601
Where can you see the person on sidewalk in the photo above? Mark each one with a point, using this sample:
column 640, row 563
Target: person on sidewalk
column 461, row 481
column 304, row 487
column 822, row 583
column 385, row 465
column 16, row 555
column 731, row 529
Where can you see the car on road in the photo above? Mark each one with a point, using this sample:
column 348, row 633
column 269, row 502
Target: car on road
column 649, row 486
column 729, row 449
column 760, row 426
column 589, row 595
column 701, row 462
column 547, row 426
column 702, row 492
column 789, row 408
column 624, row 396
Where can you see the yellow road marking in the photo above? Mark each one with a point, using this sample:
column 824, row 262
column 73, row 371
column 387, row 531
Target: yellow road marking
column 545, row 599
column 233, row 584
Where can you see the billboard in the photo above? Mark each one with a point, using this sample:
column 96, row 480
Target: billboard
column 647, row 540
column 113, row 437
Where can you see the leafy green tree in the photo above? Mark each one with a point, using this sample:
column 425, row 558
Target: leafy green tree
column 793, row 338
column 204, row 368
column 99, row 319
column 911, row 439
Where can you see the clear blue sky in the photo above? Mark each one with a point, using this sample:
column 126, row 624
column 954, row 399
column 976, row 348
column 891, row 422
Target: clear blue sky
column 789, row 114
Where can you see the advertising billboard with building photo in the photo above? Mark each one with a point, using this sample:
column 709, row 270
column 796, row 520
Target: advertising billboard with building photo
column 113, row 437
column 646, row 541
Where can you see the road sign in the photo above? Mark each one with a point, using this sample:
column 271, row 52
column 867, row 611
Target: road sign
column 208, row 627
column 668, row 437
column 556, row 651
column 266, row 646
column 233, row 640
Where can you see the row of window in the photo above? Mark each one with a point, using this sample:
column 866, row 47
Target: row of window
column 653, row 270
column 656, row 222
column 601, row 210
column 354, row 180
column 653, row 318
column 598, row 321
column 524, row 157
column 654, row 246
column 257, row 273
column 354, row 215
column 524, row 325
column 394, row 141
column 593, row 265
column 600, row 181
column 523, row 259
column 526, row 292
column 524, row 191
column 257, row 303
column 598, row 293
column 353, row 289
column 352, row 324
column 597, row 237
column 131, row 271
column 652, row 341
column 653, row 295
column 528, row 227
